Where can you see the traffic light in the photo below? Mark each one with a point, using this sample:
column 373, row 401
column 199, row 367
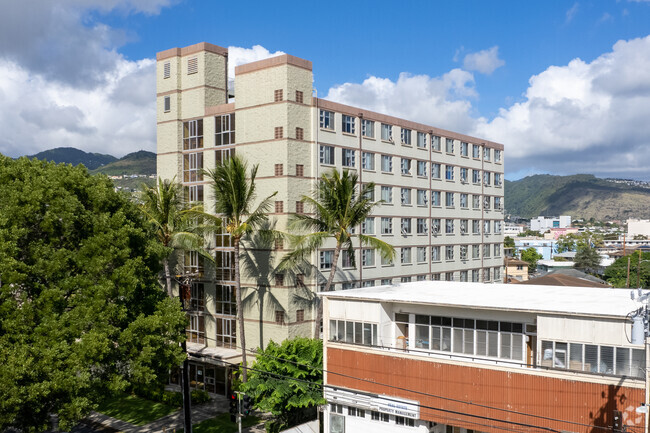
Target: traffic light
column 234, row 406
column 247, row 405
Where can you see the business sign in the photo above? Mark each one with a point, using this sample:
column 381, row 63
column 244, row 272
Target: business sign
column 380, row 403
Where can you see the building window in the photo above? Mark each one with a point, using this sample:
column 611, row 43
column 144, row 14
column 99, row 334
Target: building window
column 463, row 253
column 476, row 151
column 279, row 317
column 277, row 95
column 300, row 170
column 406, row 136
column 449, row 199
column 475, row 275
column 167, row 104
column 300, row 316
column 348, row 157
column 353, row 332
column 421, row 226
column 278, row 244
column 192, row 65
column 278, row 132
column 449, row 226
column 299, row 96
column 486, row 226
column 279, row 169
column 435, row 171
column 226, row 332
column 421, row 254
column 486, row 178
column 386, row 282
column 476, row 227
column 367, row 128
column 406, row 196
column 368, row 161
column 193, row 134
column 463, row 201
column 406, row 226
column 476, row 251
column 300, row 207
column 167, row 68
column 387, row 163
column 279, row 279
column 406, row 166
column 326, row 258
column 486, row 153
column 497, row 250
column 405, row 255
column 386, row 132
column 422, row 168
column 449, row 252
column 422, row 197
column 279, row 207
column 486, row 250
column 435, row 198
column 435, row 225
column 225, row 301
column 476, row 201
column 463, row 226
column 327, row 119
column 464, row 149
column 368, row 257
column 368, row 226
column 326, row 155
column 300, row 133
column 386, row 226
column 476, row 176
column 463, row 174
column 497, row 156
column 225, row 129
column 387, row 194
column 435, row 254
column 449, row 145
column 463, row 276
column 347, row 259
column 347, row 124
column 435, row 143
column 193, row 167
column 422, row 140
column 449, row 172
column 193, row 193
column 369, row 194
column 378, row 416
column 497, row 227
column 497, row 274
column 497, row 179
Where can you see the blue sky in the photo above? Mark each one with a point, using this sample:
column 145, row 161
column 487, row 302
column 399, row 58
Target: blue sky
column 564, row 85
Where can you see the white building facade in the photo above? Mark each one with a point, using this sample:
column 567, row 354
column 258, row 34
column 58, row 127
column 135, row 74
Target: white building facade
column 542, row 224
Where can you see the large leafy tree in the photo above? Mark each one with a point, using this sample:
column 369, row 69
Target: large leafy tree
column 578, row 241
column 81, row 310
column 165, row 210
column 616, row 273
column 531, row 256
column 587, row 258
column 339, row 206
column 286, row 380
column 235, row 206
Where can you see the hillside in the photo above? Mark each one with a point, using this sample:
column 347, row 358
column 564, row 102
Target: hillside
column 580, row 195
column 141, row 162
column 70, row 155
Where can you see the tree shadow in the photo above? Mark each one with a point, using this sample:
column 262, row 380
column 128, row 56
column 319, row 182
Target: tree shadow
column 616, row 401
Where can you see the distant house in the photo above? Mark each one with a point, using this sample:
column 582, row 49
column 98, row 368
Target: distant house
column 542, row 224
column 516, row 269
column 545, row 247
column 568, row 277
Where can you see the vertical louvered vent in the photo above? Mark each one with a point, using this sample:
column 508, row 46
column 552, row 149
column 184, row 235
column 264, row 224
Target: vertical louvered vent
column 167, row 68
column 192, row 65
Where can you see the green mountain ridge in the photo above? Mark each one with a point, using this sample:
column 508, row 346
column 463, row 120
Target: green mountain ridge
column 140, row 162
column 580, row 195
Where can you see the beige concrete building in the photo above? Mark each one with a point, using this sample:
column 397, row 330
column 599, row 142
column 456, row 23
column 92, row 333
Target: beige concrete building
column 442, row 191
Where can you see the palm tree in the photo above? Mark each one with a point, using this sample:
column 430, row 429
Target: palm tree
column 164, row 208
column 338, row 209
column 234, row 197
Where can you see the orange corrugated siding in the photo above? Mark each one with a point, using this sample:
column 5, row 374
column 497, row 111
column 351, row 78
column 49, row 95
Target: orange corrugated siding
column 567, row 400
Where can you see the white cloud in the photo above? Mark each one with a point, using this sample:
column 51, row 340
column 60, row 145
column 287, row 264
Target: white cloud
column 240, row 56
column 441, row 101
column 582, row 117
column 572, row 12
column 485, row 61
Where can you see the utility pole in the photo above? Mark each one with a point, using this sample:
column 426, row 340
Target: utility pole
column 185, row 285
column 627, row 280
column 638, row 272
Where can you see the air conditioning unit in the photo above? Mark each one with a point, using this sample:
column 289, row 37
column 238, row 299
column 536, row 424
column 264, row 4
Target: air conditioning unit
column 435, row 230
column 390, row 138
column 463, row 230
column 404, row 232
column 486, row 202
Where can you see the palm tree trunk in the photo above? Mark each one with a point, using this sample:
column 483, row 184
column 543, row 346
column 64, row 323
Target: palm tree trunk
column 240, row 310
column 319, row 310
column 168, row 277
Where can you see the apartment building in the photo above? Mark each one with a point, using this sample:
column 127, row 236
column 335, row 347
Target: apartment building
column 455, row 357
column 442, row 191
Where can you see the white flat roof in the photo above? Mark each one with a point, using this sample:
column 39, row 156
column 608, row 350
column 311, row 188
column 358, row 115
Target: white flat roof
column 583, row 301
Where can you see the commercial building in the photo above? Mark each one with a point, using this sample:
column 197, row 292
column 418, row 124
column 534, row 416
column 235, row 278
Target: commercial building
column 442, row 191
column 542, row 224
column 454, row 357
column 638, row 227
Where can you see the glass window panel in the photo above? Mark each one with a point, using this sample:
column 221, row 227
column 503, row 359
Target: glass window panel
column 493, row 344
column 623, row 361
column 374, row 335
column 458, row 340
column 469, row 342
column 422, row 337
column 349, row 332
column 575, row 356
column 446, row 340
column 518, row 347
column 560, row 356
column 606, row 360
column 547, row 353
column 591, row 358
column 638, row 363
column 332, row 329
column 358, row 332
column 421, row 320
column 481, row 343
column 506, row 345
column 435, row 338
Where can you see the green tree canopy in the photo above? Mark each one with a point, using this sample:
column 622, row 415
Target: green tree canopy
column 82, row 313
column 587, row 258
column 577, row 241
column 531, row 256
column 616, row 273
column 508, row 242
column 270, row 383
